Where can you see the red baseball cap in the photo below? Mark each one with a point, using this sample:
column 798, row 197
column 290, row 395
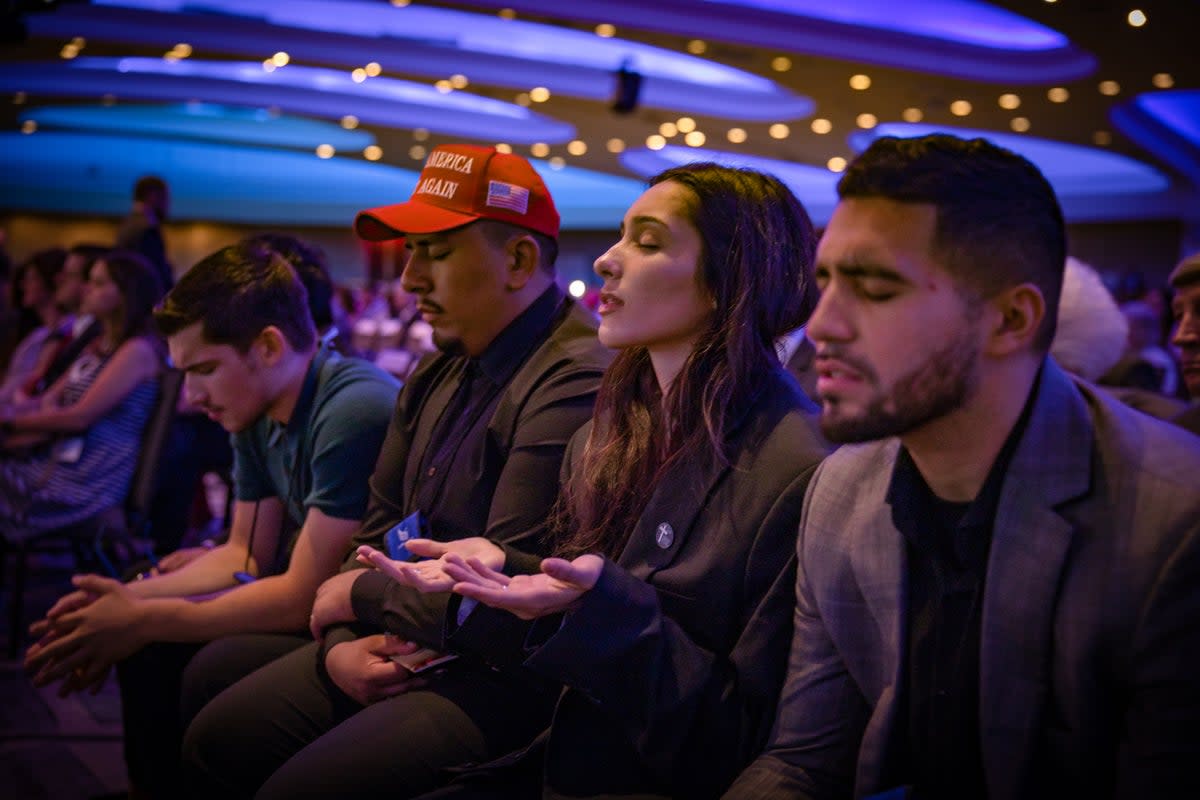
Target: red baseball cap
column 459, row 184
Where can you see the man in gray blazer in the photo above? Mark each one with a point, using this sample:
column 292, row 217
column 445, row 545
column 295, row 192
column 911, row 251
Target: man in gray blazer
column 998, row 591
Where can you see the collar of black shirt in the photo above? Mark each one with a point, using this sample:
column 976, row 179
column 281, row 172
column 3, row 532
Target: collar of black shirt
column 914, row 504
column 513, row 344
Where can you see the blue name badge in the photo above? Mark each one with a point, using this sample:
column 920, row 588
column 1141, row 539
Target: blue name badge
column 414, row 526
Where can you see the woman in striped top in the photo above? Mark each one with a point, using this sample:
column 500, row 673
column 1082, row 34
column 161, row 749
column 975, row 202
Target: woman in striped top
column 75, row 455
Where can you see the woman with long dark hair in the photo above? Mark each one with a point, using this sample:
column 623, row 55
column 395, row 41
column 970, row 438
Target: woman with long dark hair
column 667, row 615
column 75, row 455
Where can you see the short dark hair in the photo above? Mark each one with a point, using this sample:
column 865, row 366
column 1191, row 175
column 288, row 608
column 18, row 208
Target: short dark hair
column 89, row 252
column 148, row 185
column 235, row 293
column 46, row 263
column 998, row 220
column 498, row 233
column 309, row 262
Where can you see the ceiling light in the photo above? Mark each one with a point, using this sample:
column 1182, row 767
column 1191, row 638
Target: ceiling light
column 836, row 164
column 459, row 81
column 79, row 42
column 576, row 288
column 1162, row 80
column 281, row 59
column 1009, row 101
column 539, row 149
column 1110, row 88
column 268, row 66
column 444, row 86
column 373, row 69
column 558, row 162
column 19, row 98
column 1058, row 95
column 420, row 134
column 108, row 100
column 69, row 51
column 781, row 63
column 358, row 75
column 668, row 129
column 503, row 147
column 960, row 108
column 695, row 139
column 373, row 152
column 697, row 47
column 506, row 13
column 685, row 124
column 860, row 82
column 522, row 99
column 606, row 30
column 1020, row 124
column 324, row 151
column 29, row 126
column 349, row 122
column 577, row 147
column 866, row 121
column 655, row 142
column 182, row 50
column 736, row 135
column 821, row 125
column 615, row 145
column 539, row 94
column 1137, row 18
column 416, row 152
column 401, row 3
column 912, row 114
column 778, row 131
column 1102, row 138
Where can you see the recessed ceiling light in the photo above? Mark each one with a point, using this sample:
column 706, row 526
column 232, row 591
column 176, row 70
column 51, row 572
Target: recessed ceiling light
column 29, row 126
column 416, row 152
column 539, row 94
column 1020, row 124
column 912, row 114
column 349, row 122
column 1009, row 101
column 504, row 147
column 866, row 121
column 506, row 13
column 522, row 99
column 695, row 139
column 1110, row 88
column 577, row 147
column 1162, row 80
column 444, row 86
column 420, row 134
column 697, row 47
column 781, row 63
column 1102, row 138
column 736, row 135
column 1058, row 95
column 358, row 75
column 268, row 66
column 373, row 152
column 655, row 142
column 778, row 131
column 668, row 129
column 373, row 69
column 281, row 59
column 615, row 145
column 606, row 30
column 860, row 82
column 19, row 98
column 960, row 108
column 324, row 151
column 685, row 124
column 459, row 81
column 836, row 164
column 557, row 163
column 820, row 125
column 1137, row 18
column 539, row 149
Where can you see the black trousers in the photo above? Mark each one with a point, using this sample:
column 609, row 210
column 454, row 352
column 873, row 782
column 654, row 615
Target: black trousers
column 288, row 731
column 151, row 683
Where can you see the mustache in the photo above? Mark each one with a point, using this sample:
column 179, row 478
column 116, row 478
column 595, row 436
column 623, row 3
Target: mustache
column 849, row 359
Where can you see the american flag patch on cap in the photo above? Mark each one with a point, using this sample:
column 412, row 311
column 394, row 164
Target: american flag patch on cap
column 506, row 195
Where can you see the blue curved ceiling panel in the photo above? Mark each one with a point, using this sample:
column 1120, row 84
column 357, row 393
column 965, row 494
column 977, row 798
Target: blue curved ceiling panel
column 962, row 38
column 307, row 90
column 205, row 121
column 814, row 186
column 62, row 172
column 1168, row 125
column 434, row 42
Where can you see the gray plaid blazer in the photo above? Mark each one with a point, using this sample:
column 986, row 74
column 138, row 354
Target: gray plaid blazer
column 1090, row 639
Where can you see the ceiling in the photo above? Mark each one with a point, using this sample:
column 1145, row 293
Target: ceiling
column 254, row 112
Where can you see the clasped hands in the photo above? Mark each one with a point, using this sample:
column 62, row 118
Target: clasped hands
column 84, row 634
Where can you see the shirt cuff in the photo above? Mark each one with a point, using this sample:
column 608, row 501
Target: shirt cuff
column 367, row 597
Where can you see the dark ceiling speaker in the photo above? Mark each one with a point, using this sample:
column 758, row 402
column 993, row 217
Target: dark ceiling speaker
column 629, row 86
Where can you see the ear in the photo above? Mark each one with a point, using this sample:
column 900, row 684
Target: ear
column 523, row 255
column 1017, row 315
column 269, row 346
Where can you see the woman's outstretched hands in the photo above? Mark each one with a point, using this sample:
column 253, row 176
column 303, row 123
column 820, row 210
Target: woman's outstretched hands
column 559, row 585
column 430, row 575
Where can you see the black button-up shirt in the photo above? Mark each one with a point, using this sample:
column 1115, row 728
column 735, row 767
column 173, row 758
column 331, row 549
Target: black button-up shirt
column 947, row 555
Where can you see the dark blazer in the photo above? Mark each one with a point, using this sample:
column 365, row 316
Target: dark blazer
column 1090, row 642
column 674, row 660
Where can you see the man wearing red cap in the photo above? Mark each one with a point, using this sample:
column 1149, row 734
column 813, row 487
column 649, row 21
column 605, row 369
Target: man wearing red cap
column 474, row 448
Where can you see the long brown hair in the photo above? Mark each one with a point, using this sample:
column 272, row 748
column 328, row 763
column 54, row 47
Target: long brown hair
column 756, row 265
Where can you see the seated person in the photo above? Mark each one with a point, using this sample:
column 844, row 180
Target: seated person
column 36, row 279
column 75, row 455
column 665, row 612
column 307, row 426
